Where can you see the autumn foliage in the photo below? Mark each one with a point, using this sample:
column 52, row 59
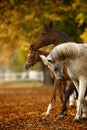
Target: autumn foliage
column 23, row 108
column 22, row 20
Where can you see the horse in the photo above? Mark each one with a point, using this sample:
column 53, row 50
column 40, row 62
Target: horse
column 32, row 58
column 74, row 56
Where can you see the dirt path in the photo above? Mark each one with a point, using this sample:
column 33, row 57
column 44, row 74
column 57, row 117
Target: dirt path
column 23, row 109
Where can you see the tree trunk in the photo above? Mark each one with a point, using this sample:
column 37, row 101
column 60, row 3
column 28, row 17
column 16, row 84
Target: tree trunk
column 47, row 78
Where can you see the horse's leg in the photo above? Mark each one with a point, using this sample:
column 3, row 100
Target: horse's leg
column 53, row 97
column 66, row 97
column 61, row 90
column 84, row 110
column 72, row 98
column 81, row 90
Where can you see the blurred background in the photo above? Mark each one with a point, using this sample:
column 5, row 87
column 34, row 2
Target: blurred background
column 20, row 23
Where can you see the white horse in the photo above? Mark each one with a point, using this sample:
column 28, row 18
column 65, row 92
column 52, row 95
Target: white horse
column 74, row 56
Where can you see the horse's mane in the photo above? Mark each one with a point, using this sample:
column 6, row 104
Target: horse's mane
column 68, row 50
column 63, row 37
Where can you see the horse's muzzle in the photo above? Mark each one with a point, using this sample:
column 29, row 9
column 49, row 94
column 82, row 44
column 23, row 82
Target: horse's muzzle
column 61, row 77
column 26, row 66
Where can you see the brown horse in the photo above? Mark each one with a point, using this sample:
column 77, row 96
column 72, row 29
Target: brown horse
column 32, row 58
column 49, row 35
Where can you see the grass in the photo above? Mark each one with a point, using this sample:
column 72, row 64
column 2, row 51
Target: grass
column 20, row 84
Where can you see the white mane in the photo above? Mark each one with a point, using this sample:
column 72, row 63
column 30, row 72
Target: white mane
column 68, row 50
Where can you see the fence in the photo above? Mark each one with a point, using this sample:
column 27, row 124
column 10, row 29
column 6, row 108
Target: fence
column 30, row 75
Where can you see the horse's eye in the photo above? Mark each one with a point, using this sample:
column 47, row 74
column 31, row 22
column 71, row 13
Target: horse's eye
column 51, row 61
column 43, row 33
column 31, row 57
column 56, row 68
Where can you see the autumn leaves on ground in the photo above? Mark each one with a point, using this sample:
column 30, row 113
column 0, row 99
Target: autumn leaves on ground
column 23, row 108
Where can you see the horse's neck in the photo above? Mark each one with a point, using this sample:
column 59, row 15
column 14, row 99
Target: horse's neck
column 40, row 52
column 61, row 38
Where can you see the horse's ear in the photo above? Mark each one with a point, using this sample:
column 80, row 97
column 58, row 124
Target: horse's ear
column 51, row 61
column 44, row 59
column 45, row 26
column 51, row 24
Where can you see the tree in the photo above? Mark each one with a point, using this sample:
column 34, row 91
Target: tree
column 22, row 21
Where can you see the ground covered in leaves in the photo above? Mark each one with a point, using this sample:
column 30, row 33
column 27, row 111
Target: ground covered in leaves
column 22, row 108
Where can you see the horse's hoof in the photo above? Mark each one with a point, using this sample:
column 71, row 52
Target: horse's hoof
column 84, row 118
column 61, row 116
column 46, row 114
column 76, row 120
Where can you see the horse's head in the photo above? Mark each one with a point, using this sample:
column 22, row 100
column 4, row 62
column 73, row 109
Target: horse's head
column 46, row 37
column 32, row 58
column 49, row 35
column 56, row 68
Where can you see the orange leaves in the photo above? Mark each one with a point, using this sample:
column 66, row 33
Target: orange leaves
column 24, row 108
column 20, row 24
